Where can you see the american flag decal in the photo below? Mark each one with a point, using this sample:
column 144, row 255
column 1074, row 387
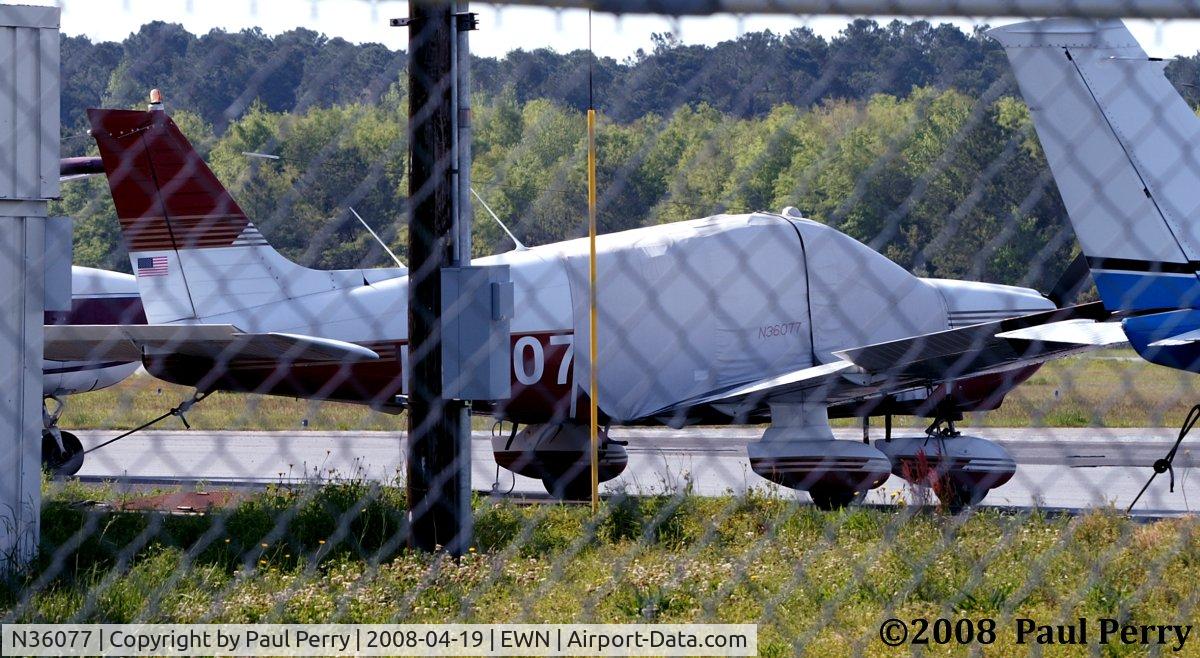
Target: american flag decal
column 153, row 266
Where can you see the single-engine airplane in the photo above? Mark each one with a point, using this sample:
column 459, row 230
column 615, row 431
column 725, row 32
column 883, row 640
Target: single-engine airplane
column 749, row 318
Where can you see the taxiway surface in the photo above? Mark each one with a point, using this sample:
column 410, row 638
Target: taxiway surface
column 1064, row 468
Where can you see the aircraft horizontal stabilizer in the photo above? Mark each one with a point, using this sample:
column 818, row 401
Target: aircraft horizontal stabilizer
column 223, row 342
column 1185, row 338
column 795, row 381
column 820, row 380
column 1077, row 332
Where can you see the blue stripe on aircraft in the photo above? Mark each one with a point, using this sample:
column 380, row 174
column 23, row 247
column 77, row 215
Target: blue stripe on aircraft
column 1145, row 329
column 1141, row 291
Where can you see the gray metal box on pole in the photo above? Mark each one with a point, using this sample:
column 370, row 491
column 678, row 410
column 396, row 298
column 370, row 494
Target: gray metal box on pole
column 29, row 152
column 477, row 310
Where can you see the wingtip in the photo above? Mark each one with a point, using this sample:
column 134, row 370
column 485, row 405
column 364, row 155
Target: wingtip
column 348, row 351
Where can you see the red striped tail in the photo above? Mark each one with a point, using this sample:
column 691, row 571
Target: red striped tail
column 165, row 195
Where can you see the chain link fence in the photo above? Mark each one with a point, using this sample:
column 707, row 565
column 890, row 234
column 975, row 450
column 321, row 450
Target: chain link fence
column 895, row 320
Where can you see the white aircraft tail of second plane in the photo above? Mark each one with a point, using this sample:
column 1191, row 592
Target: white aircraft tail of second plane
column 195, row 254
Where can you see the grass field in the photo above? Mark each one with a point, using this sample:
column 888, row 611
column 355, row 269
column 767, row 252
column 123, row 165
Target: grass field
column 1113, row 388
column 1105, row 389
column 821, row 581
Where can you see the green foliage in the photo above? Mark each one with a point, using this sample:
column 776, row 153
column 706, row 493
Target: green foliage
column 504, row 526
column 330, row 160
column 497, row 526
column 664, row 520
column 97, row 234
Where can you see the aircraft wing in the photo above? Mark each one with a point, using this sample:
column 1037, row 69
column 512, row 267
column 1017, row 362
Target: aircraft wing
column 215, row 341
column 988, row 347
column 928, row 359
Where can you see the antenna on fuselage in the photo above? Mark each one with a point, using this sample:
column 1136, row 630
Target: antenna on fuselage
column 376, row 236
column 520, row 245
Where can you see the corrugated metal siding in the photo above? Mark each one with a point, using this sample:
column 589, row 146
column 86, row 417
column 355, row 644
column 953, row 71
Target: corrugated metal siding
column 29, row 103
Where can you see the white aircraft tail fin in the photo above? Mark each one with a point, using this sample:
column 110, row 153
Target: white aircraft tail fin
column 1121, row 143
column 194, row 252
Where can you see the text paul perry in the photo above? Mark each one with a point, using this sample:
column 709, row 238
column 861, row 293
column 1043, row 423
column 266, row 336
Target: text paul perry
column 1105, row 630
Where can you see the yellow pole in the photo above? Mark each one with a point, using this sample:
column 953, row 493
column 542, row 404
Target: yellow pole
column 594, row 429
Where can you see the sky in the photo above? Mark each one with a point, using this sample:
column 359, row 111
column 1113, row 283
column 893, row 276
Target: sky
column 501, row 30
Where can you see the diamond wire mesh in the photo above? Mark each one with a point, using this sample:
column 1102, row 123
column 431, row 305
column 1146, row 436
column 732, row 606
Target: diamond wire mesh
column 899, row 140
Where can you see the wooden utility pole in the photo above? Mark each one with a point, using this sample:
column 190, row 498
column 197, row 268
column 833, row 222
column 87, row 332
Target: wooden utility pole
column 438, row 464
